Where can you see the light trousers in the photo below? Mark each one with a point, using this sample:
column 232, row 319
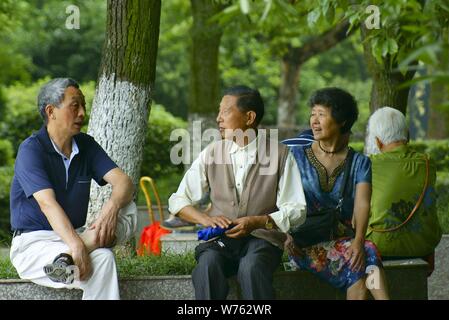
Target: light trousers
column 31, row 251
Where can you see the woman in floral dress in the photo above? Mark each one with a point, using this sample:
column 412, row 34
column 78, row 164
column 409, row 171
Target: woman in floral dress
column 344, row 262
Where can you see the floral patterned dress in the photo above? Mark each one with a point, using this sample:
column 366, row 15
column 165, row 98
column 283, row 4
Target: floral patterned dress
column 327, row 259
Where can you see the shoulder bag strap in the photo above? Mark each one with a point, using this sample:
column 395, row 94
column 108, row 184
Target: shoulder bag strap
column 346, row 175
column 418, row 203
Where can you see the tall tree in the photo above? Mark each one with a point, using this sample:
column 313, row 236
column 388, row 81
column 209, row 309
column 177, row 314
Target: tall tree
column 126, row 81
column 439, row 95
column 290, row 71
column 204, row 76
column 387, row 78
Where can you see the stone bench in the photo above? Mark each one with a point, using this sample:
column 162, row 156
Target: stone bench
column 407, row 279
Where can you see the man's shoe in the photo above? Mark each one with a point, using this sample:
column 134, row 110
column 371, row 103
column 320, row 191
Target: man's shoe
column 62, row 269
column 176, row 224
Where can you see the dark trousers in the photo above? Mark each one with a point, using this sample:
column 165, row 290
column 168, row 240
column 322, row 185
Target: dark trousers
column 253, row 260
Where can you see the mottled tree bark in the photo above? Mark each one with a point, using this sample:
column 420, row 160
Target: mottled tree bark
column 290, row 71
column 121, row 106
column 206, row 36
column 386, row 80
column 204, row 95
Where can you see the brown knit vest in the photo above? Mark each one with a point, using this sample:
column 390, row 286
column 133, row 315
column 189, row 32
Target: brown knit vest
column 260, row 189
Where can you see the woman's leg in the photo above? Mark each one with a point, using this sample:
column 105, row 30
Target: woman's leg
column 357, row 291
column 380, row 290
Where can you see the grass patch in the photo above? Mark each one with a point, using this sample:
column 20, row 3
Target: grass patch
column 166, row 264
column 7, row 271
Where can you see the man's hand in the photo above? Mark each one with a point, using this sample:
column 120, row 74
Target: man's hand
column 82, row 261
column 106, row 224
column 245, row 225
column 218, row 221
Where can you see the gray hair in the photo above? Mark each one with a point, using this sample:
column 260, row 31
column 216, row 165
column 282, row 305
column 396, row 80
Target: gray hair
column 53, row 93
column 387, row 124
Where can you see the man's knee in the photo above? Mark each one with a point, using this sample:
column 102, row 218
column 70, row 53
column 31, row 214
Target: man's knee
column 126, row 224
column 249, row 266
column 209, row 260
column 102, row 256
column 253, row 264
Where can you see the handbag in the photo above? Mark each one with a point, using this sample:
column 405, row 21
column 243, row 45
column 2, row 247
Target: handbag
column 325, row 224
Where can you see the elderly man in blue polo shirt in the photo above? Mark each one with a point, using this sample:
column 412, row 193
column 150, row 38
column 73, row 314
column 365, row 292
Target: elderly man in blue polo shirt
column 50, row 195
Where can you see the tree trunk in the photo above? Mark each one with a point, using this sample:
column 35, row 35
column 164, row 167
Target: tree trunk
column 206, row 36
column 439, row 93
column 204, row 96
column 290, row 71
column 121, row 106
column 386, row 79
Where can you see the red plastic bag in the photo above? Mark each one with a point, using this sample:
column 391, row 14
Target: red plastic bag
column 150, row 243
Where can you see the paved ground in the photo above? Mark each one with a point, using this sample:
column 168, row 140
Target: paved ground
column 439, row 281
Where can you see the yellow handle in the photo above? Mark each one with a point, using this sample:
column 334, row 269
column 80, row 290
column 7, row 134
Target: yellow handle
column 148, row 199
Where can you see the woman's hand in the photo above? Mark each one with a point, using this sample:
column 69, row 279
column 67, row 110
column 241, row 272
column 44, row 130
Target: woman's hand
column 356, row 254
column 292, row 249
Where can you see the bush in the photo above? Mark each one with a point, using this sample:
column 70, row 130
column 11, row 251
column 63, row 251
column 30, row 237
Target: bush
column 438, row 151
column 442, row 189
column 6, row 174
column 156, row 155
column 6, row 153
column 22, row 117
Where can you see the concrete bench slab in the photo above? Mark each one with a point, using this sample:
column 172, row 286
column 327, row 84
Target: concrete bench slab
column 407, row 279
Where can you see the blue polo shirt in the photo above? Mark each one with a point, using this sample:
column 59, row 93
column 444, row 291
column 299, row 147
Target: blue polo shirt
column 38, row 166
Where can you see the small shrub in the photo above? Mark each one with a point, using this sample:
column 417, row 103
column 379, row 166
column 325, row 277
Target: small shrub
column 6, row 153
column 442, row 189
column 6, row 174
column 156, row 155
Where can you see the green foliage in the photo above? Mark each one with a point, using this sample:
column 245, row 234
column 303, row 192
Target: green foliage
column 16, row 65
column 156, row 155
column 438, row 150
column 166, row 185
column 6, row 153
column 40, row 44
column 442, row 189
column 6, row 173
column 22, row 117
column 245, row 60
column 173, row 68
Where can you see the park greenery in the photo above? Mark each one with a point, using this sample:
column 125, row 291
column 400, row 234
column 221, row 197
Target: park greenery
column 273, row 45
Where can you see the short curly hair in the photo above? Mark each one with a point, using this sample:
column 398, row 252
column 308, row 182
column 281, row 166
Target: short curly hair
column 342, row 103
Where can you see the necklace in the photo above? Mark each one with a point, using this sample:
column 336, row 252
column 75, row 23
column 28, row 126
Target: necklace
column 331, row 152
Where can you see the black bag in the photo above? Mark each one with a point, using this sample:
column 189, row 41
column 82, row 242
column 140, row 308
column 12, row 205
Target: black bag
column 324, row 225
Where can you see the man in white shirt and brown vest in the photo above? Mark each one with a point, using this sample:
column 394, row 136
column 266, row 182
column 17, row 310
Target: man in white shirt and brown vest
column 255, row 191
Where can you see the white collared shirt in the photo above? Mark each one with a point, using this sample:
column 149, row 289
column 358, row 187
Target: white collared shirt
column 66, row 160
column 290, row 198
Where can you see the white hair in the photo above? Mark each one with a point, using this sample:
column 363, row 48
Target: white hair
column 388, row 125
